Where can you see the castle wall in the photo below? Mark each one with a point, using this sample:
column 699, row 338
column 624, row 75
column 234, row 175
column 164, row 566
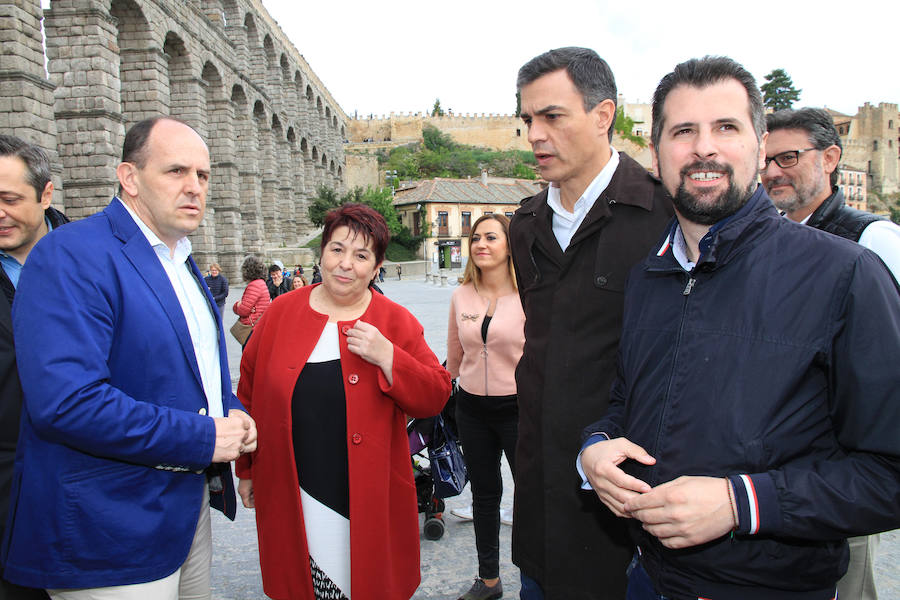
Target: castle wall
column 224, row 66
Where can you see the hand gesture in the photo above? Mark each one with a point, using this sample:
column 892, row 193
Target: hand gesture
column 235, row 435
column 686, row 511
column 245, row 491
column 364, row 340
column 614, row 487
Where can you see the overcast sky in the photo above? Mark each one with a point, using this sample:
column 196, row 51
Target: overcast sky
column 399, row 55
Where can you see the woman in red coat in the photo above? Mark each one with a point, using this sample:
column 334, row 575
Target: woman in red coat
column 329, row 376
column 255, row 300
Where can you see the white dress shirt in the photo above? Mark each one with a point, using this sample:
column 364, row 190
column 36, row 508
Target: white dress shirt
column 566, row 223
column 197, row 312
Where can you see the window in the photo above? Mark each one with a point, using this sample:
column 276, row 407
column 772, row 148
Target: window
column 416, row 223
column 890, row 123
column 466, row 222
column 859, row 179
column 874, row 145
column 488, row 212
column 442, row 223
column 518, row 133
column 508, row 215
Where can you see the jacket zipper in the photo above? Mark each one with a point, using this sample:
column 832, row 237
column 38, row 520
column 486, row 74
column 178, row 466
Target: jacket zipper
column 689, row 286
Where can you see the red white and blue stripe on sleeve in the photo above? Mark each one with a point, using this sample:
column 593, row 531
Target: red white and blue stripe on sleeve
column 757, row 505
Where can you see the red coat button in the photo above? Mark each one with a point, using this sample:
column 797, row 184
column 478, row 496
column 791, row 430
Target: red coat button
column 353, row 378
column 345, row 329
column 357, row 438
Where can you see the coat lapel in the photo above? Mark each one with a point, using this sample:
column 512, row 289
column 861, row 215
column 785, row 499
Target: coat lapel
column 147, row 266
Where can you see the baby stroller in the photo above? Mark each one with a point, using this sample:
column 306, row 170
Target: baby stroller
column 420, row 437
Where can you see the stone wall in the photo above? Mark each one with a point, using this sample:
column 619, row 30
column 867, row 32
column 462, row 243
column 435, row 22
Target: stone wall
column 872, row 143
column 224, row 66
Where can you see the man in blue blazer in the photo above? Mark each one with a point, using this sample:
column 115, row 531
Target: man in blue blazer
column 129, row 419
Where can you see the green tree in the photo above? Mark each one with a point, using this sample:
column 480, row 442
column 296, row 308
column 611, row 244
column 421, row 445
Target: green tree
column 437, row 111
column 624, row 125
column 436, row 140
column 778, row 91
column 326, row 199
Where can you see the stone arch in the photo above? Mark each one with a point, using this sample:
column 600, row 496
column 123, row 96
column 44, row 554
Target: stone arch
column 309, row 93
column 324, row 161
column 343, row 133
column 285, row 67
column 249, row 193
column 184, row 98
column 221, row 203
column 255, row 56
column 269, row 49
column 266, row 169
column 319, row 108
column 141, row 66
column 309, row 167
column 327, row 113
column 334, row 121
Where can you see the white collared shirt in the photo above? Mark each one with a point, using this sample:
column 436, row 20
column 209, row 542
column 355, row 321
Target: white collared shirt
column 197, row 312
column 566, row 223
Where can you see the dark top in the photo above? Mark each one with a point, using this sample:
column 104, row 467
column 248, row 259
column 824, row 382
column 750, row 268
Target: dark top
column 218, row 287
column 319, row 428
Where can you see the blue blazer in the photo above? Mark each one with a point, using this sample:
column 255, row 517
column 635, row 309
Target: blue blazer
column 114, row 439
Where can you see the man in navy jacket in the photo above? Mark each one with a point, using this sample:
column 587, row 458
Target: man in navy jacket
column 753, row 425
column 129, row 416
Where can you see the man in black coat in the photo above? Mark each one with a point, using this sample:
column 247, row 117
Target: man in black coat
column 277, row 283
column 25, row 217
column 573, row 245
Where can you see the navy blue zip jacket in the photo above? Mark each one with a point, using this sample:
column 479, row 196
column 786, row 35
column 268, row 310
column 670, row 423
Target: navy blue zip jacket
column 774, row 363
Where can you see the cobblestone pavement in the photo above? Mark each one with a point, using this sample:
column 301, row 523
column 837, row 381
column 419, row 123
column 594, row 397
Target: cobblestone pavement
column 448, row 565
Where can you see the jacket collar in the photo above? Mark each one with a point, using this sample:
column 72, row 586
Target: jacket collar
column 827, row 209
column 727, row 239
column 627, row 186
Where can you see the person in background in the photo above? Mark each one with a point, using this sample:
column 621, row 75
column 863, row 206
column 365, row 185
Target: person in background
column 298, row 282
column 26, row 192
column 317, row 274
column 277, row 283
column 218, row 286
column 485, row 336
column 330, row 375
column 255, row 299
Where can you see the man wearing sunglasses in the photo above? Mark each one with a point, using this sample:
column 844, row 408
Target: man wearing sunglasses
column 803, row 151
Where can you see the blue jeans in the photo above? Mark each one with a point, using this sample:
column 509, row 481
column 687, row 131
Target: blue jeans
column 640, row 587
column 531, row 589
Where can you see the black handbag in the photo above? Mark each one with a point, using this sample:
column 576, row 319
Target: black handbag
column 448, row 467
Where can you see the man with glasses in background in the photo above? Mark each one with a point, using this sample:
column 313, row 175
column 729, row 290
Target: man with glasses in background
column 803, row 151
column 801, row 173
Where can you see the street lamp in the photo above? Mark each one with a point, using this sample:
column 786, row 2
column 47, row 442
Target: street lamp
column 389, row 177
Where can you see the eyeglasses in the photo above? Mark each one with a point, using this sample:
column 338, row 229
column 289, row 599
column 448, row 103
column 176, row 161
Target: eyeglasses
column 787, row 159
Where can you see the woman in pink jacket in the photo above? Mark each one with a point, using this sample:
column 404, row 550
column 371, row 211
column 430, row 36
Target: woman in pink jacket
column 255, row 301
column 485, row 337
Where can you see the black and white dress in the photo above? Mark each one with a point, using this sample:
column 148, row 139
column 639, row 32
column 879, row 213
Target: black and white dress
column 319, row 425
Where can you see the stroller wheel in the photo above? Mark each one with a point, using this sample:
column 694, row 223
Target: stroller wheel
column 434, row 529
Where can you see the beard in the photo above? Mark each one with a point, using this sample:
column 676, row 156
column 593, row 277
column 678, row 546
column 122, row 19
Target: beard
column 710, row 208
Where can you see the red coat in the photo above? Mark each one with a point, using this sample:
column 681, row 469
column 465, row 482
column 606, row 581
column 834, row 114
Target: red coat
column 256, row 296
column 384, row 526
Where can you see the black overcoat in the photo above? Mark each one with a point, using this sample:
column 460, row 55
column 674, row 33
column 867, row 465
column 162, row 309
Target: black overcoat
column 562, row 536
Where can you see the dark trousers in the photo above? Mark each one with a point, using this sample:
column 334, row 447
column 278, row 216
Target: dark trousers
column 486, row 430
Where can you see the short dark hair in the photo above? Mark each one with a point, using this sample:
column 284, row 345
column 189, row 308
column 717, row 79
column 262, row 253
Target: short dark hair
column 134, row 149
column 37, row 163
column 701, row 73
column 274, row 269
column 818, row 125
column 591, row 74
column 361, row 219
column 253, row 268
